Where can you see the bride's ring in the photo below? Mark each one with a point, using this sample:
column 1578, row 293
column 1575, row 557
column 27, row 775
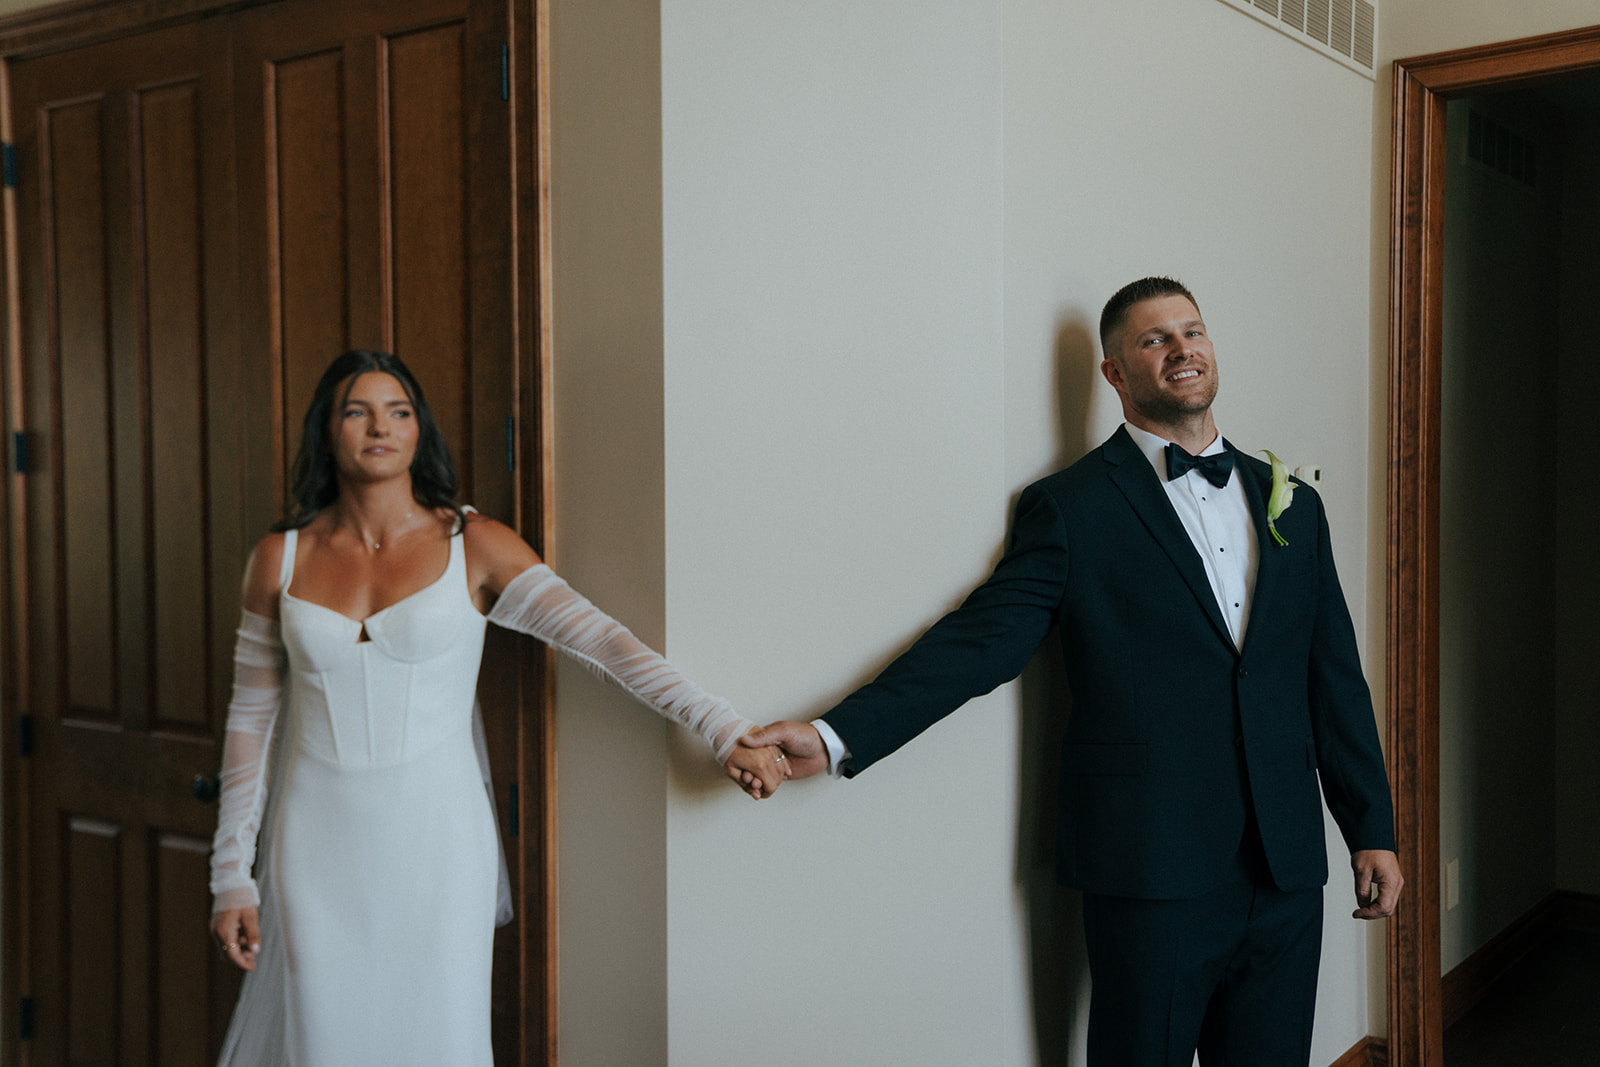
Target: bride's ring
column 779, row 758
column 229, row 947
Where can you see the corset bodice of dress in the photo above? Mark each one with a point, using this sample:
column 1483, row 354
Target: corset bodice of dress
column 388, row 699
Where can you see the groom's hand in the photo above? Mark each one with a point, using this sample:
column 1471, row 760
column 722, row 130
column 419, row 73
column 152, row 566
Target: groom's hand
column 799, row 741
column 1378, row 883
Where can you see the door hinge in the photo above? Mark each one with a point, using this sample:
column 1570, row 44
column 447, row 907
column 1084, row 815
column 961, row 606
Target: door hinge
column 19, row 451
column 505, row 71
column 515, row 817
column 25, row 1019
column 8, row 164
column 25, row 735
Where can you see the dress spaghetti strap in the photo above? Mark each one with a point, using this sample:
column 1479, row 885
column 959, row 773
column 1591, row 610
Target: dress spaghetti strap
column 286, row 567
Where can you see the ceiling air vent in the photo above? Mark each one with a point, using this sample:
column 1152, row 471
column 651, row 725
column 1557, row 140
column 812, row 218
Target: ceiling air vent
column 1343, row 30
column 1492, row 145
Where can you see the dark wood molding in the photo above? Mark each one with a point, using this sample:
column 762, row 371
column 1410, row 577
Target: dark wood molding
column 1368, row 1052
column 1578, row 911
column 532, row 321
column 1474, row 978
column 1413, row 584
column 1422, row 86
column 1471, row 979
column 1509, row 64
column 74, row 23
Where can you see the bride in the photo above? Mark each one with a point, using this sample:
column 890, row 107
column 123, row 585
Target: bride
column 366, row 917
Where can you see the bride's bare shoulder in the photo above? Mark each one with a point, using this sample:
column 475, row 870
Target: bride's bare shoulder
column 495, row 552
column 262, row 575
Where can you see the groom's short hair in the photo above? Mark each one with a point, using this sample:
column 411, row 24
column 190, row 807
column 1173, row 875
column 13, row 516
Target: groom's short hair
column 1116, row 309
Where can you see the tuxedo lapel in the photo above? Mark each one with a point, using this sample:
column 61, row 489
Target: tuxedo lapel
column 1268, row 560
column 1130, row 471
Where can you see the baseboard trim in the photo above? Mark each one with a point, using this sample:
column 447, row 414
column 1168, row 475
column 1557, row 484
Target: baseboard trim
column 1580, row 911
column 1368, row 1052
column 1472, row 979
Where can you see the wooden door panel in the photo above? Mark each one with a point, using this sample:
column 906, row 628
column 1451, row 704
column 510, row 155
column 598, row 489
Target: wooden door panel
column 209, row 213
column 304, row 102
column 176, row 512
column 71, row 138
column 91, row 862
column 368, row 211
column 123, row 678
column 185, row 995
column 428, row 212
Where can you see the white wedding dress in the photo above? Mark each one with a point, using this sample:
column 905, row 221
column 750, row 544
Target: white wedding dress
column 379, row 860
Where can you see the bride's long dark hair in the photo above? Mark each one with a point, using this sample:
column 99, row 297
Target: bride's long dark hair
column 434, row 482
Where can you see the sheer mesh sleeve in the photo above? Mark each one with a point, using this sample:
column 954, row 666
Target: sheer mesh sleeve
column 539, row 603
column 252, row 715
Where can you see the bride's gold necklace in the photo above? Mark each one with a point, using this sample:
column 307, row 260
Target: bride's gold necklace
column 376, row 545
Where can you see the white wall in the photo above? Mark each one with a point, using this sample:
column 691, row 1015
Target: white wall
column 836, row 478
column 888, row 230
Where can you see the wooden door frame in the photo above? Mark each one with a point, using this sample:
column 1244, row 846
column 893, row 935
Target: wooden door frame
column 75, row 23
column 1422, row 87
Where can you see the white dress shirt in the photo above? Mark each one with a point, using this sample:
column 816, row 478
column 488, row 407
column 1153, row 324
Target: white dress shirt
column 1218, row 523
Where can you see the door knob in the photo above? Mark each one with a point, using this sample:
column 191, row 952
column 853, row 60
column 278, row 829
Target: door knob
column 204, row 789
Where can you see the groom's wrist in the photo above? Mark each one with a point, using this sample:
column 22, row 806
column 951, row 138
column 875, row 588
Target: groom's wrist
column 837, row 751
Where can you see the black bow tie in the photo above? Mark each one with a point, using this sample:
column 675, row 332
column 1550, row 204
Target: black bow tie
column 1214, row 468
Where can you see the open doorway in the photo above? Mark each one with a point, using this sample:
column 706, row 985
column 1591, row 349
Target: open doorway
column 1423, row 89
column 1517, row 675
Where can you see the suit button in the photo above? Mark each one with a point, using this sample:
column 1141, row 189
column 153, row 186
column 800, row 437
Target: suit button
column 1238, row 740
column 1244, row 672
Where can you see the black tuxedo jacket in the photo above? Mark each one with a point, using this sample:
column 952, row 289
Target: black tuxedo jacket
column 1174, row 734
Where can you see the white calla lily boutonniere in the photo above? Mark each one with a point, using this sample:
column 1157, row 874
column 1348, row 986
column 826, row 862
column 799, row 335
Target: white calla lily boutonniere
column 1282, row 495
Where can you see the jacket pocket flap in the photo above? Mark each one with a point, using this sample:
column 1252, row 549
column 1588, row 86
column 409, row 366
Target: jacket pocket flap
column 1104, row 757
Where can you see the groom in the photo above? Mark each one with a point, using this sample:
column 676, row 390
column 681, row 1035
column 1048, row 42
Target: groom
column 1214, row 682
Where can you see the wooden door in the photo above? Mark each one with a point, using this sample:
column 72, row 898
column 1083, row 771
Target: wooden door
column 135, row 528
column 206, row 215
column 374, row 166
column 373, row 160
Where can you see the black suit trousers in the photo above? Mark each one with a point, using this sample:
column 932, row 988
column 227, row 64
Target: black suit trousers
column 1231, row 974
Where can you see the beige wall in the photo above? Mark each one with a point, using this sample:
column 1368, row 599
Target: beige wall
column 608, row 538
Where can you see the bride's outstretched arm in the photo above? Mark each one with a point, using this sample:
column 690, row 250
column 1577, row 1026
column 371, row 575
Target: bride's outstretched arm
column 538, row 602
column 529, row 597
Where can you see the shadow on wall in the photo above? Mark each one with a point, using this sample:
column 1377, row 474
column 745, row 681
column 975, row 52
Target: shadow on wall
column 1058, row 963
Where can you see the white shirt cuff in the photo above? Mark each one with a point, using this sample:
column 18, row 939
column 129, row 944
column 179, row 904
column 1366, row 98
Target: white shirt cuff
column 837, row 752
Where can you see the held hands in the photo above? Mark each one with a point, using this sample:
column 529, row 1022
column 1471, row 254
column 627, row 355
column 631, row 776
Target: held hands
column 798, row 740
column 238, row 934
column 768, row 755
column 1378, row 883
column 758, row 769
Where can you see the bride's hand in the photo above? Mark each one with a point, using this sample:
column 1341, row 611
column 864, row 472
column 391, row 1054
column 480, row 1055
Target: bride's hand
column 238, row 934
column 758, row 771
